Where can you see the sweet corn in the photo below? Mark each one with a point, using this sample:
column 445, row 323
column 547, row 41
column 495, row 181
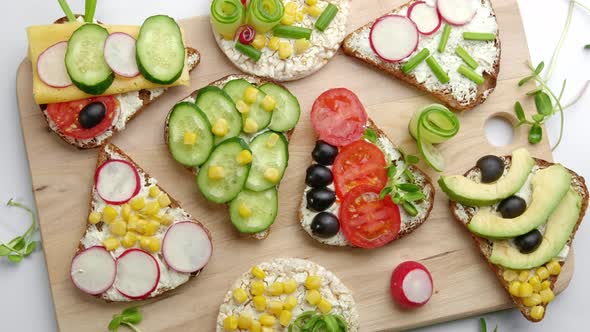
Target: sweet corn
column 220, row 128
column 267, row 329
column 129, row 240
column 250, row 126
column 273, row 43
column 532, row 300
column 275, row 307
column 535, row 281
column 547, row 295
column 514, row 288
column 166, row 219
column 525, row 290
column 240, row 295
column 215, row 172
column 118, row 227
column 259, row 302
column 272, row 140
column 244, row 157
column 94, row 217
column 288, row 19
column 313, row 282
column 314, row 11
column 140, row 226
column 546, row 284
column 269, row 103
column 109, row 214
column 151, row 208
column 272, row 175
column 311, row 2
column 267, row 320
column 554, row 268
column 255, row 326
column 523, row 276
column 137, row 203
column 289, row 286
column 151, row 227
column 509, row 275
column 258, row 273
column 111, row 243
column 302, row 45
column 290, row 302
column 250, row 95
column 325, row 306
column 244, row 210
column 145, row 242
column 230, row 323
column 285, row 318
column 244, row 321
column 154, row 245
column 132, row 223
column 313, row 297
column 542, row 272
column 189, row 138
column 257, row 288
column 291, row 7
column 276, row 288
column 242, row 107
column 285, row 50
column 125, row 211
column 164, row 200
column 537, row 312
column 259, row 42
column 299, row 16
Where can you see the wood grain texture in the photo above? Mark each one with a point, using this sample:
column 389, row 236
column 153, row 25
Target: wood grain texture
column 62, row 178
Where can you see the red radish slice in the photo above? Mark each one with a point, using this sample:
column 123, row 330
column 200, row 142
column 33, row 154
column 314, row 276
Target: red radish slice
column 394, row 37
column 93, row 270
column 186, row 247
column 116, row 181
column 119, row 53
column 51, row 66
column 411, row 284
column 457, row 12
column 427, row 18
column 138, row 274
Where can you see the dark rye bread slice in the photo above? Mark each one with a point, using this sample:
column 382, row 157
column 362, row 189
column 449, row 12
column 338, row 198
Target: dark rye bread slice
column 394, row 69
column 485, row 246
column 105, row 155
column 409, row 223
column 255, row 80
column 145, row 95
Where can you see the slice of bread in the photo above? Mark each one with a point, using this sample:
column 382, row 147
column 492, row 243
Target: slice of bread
column 408, row 223
column 460, row 93
column 463, row 215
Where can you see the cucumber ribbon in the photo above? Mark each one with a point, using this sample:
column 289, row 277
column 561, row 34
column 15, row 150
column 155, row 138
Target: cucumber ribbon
column 263, row 15
column 227, row 16
column 433, row 124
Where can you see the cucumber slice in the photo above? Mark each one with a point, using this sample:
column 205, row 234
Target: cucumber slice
column 267, row 155
column 160, row 50
column 286, row 113
column 227, row 188
column 235, row 89
column 263, row 207
column 85, row 59
column 216, row 104
column 188, row 118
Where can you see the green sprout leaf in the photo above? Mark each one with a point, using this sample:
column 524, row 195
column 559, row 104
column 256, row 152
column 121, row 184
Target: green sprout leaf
column 410, row 208
column 482, row 325
column 543, row 103
column 386, row 191
column 128, row 317
column 539, row 68
column 408, row 187
column 414, row 197
column 534, row 92
column 391, row 171
column 587, row 47
column 30, row 248
column 15, row 258
column 370, row 135
column 538, row 118
column 4, row 250
column 535, row 134
column 519, row 112
column 23, row 245
column 525, row 80
column 411, row 159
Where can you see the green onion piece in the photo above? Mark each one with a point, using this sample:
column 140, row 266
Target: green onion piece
column 248, row 50
column 470, row 74
column 292, row 32
column 415, row 60
column 462, row 53
column 484, row 36
column 263, row 15
column 437, row 70
column 326, row 18
column 227, row 16
column 90, row 10
column 67, row 10
column 444, row 38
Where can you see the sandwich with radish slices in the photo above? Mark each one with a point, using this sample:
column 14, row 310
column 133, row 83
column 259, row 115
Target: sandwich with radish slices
column 447, row 48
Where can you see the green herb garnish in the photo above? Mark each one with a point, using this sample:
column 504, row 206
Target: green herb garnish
column 587, row 47
column 312, row 321
column 483, row 326
column 90, row 10
column 402, row 187
column 23, row 245
column 129, row 317
column 370, row 135
column 67, row 10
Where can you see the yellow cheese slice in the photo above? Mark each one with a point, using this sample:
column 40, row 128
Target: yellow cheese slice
column 43, row 36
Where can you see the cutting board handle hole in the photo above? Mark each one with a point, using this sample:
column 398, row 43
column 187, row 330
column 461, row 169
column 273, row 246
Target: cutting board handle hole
column 499, row 129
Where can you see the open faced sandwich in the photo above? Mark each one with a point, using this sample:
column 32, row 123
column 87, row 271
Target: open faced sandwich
column 90, row 79
column 279, row 39
column 448, row 48
column 139, row 242
column 288, row 294
column 523, row 214
column 234, row 135
column 361, row 190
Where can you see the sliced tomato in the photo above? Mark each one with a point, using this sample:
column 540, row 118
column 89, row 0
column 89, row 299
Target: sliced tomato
column 338, row 117
column 65, row 116
column 359, row 163
column 368, row 221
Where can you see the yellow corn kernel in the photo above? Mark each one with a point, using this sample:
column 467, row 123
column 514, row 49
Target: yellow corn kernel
column 132, row 223
column 537, row 312
column 118, row 227
column 244, row 157
column 140, row 226
column 269, row 103
column 257, row 288
column 272, row 175
column 259, row 302
column 189, row 138
column 546, row 285
column 314, row 11
column 289, row 286
column 242, row 107
column 250, row 126
column 302, row 45
column 257, row 272
column 288, row 19
column 535, row 281
column 215, row 172
column 154, row 190
column 313, row 297
column 164, row 200
column 125, row 211
column 285, row 50
column 547, row 295
column 311, row 2
column 220, row 128
column 276, row 288
column 285, row 318
column 532, row 300
column 244, row 210
column 325, row 306
column 109, row 214
column 554, row 268
column 244, row 321
column 154, row 245
column 313, row 282
column 525, row 290
column 267, row 320
column 111, row 243
column 267, row 329
column 275, row 307
column 509, row 275
column 166, row 219
column 523, row 276
column 273, row 43
column 137, row 203
column 542, row 272
column 291, row 7
column 272, row 140
column 290, row 302
column 94, row 217
column 514, row 288
column 259, row 42
column 230, row 323
column 129, row 240
column 240, row 295
column 151, row 227
column 255, row 326
column 145, row 242
column 299, row 16
column 250, row 95
column 151, row 208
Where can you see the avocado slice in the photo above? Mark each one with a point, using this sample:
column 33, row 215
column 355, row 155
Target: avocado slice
column 549, row 186
column 558, row 230
column 468, row 192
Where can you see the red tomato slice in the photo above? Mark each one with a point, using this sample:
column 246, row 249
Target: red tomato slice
column 338, row 117
column 65, row 116
column 359, row 163
column 366, row 220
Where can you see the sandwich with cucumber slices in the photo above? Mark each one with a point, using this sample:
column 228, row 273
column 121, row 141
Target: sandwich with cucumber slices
column 234, row 136
column 523, row 214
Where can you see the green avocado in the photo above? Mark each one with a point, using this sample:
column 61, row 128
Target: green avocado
column 468, row 192
column 558, row 230
column 549, row 186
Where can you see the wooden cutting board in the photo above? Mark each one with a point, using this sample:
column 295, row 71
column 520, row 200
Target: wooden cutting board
column 62, row 178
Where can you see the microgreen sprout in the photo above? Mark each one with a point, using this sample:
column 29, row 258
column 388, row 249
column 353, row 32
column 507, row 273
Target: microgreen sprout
column 23, row 245
column 129, row 317
column 401, row 185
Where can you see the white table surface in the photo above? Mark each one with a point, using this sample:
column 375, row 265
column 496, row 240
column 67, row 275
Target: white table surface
column 25, row 298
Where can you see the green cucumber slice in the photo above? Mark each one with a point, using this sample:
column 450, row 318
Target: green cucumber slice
column 235, row 175
column 85, row 61
column 286, row 113
column 160, row 50
column 235, row 89
column 216, row 104
column 262, row 205
column 265, row 156
column 187, row 117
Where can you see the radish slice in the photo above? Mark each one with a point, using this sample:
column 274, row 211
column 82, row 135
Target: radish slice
column 186, row 247
column 51, row 66
column 394, row 37
column 93, row 270
column 138, row 274
column 411, row 284
column 116, row 181
column 427, row 18
column 457, row 12
column 119, row 53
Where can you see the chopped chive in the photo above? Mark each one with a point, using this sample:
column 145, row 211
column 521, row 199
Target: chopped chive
column 484, row 36
column 249, row 51
column 470, row 74
column 462, row 53
column 415, row 60
column 437, row 70
column 292, row 32
column 90, row 10
column 326, row 17
column 444, row 38
column 67, row 10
